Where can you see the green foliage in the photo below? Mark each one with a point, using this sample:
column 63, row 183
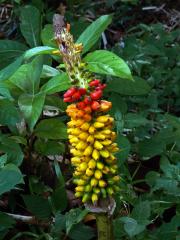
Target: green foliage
column 34, row 162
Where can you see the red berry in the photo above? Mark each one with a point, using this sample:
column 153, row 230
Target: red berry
column 96, row 95
column 94, row 83
column 81, row 105
column 76, row 96
column 95, row 105
column 67, row 99
column 82, row 91
column 70, row 92
column 101, row 87
column 87, row 100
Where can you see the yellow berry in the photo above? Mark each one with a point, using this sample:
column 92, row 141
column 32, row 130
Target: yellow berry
column 102, row 119
column 98, row 125
column 95, row 154
column 102, row 183
column 90, row 139
column 83, row 166
column 100, row 136
column 81, row 145
column 104, row 153
column 79, row 188
column 92, row 130
column 98, row 174
column 100, row 165
column 94, row 198
column 83, row 136
column 85, row 126
column 94, row 182
column 86, row 197
column 89, row 172
column 92, row 164
column 98, row 145
column 88, row 151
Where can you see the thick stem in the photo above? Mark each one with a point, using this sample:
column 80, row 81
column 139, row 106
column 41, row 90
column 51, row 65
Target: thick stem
column 104, row 226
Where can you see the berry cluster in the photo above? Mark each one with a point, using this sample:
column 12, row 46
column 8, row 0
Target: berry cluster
column 92, row 143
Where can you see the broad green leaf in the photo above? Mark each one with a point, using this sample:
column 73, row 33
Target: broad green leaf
column 30, row 25
column 59, row 199
column 131, row 226
column 6, row 221
column 124, row 87
column 47, row 36
column 38, row 205
column 38, row 51
column 59, row 225
column 49, row 71
column 133, row 120
column 93, row 32
column 10, row 69
column 81, row 231
column 58, row 83
column 9, row 114
column 55, row 103
column 73, row 217
column 141, row 212
column 31, row 106
column 4, row 91
column 105, row 62
column 10, row 51
column 47, row 148
column 51, row 129
column 10, row 176
column 11, row 149
column 124, row 146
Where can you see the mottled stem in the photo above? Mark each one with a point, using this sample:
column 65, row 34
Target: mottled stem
column 104, row 226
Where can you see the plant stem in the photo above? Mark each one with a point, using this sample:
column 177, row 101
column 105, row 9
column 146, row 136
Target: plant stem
column 104, row 226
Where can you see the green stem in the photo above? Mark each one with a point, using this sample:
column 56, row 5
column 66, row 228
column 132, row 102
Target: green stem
column 104, row 226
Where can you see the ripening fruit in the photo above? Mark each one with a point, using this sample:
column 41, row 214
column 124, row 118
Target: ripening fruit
column 91, row 142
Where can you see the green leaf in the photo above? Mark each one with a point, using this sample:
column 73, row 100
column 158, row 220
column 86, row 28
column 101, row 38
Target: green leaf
column 49, row 72
column 38, row 51
column 93, row 32
column 105, row 62
column 51, row 129
column 59, row 197
column 12, row 149
column 58, row 83
column 125, row 147
column 4, row 91
column 124, row 87
column 9, row 114
column 141, row 212
column 81, row 231
column 133, row 120
column 131, row 226
column 73, row 217
column 10, row 51
column 31, row 106
column 10, row 69
column 47, row 36
column 38, row 205
column 6, row 221
column 10, row 176
column 30, row 25
column 49, row 147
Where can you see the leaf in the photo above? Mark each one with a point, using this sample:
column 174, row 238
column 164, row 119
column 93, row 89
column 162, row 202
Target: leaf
column 125, row 147
column 124, row 87
column 49, row 147
column 10, row 69
column 59, row 197
column 38, row 51
column 51, row 129
column 31, row 106
column 10, row 51
column 141, row 212
column 73, row 217
column 131, row 226
column 93, row 32
column 133, row 120
column 38, row 205
column 4, row 91
column 58, row 83
column 6, row 221
column 30, row 25
column 9, row 114
column 81, row 231
column 12, row 149
column 47, row 36
column 10, row 176
column 49, row 72
column 105, row 62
